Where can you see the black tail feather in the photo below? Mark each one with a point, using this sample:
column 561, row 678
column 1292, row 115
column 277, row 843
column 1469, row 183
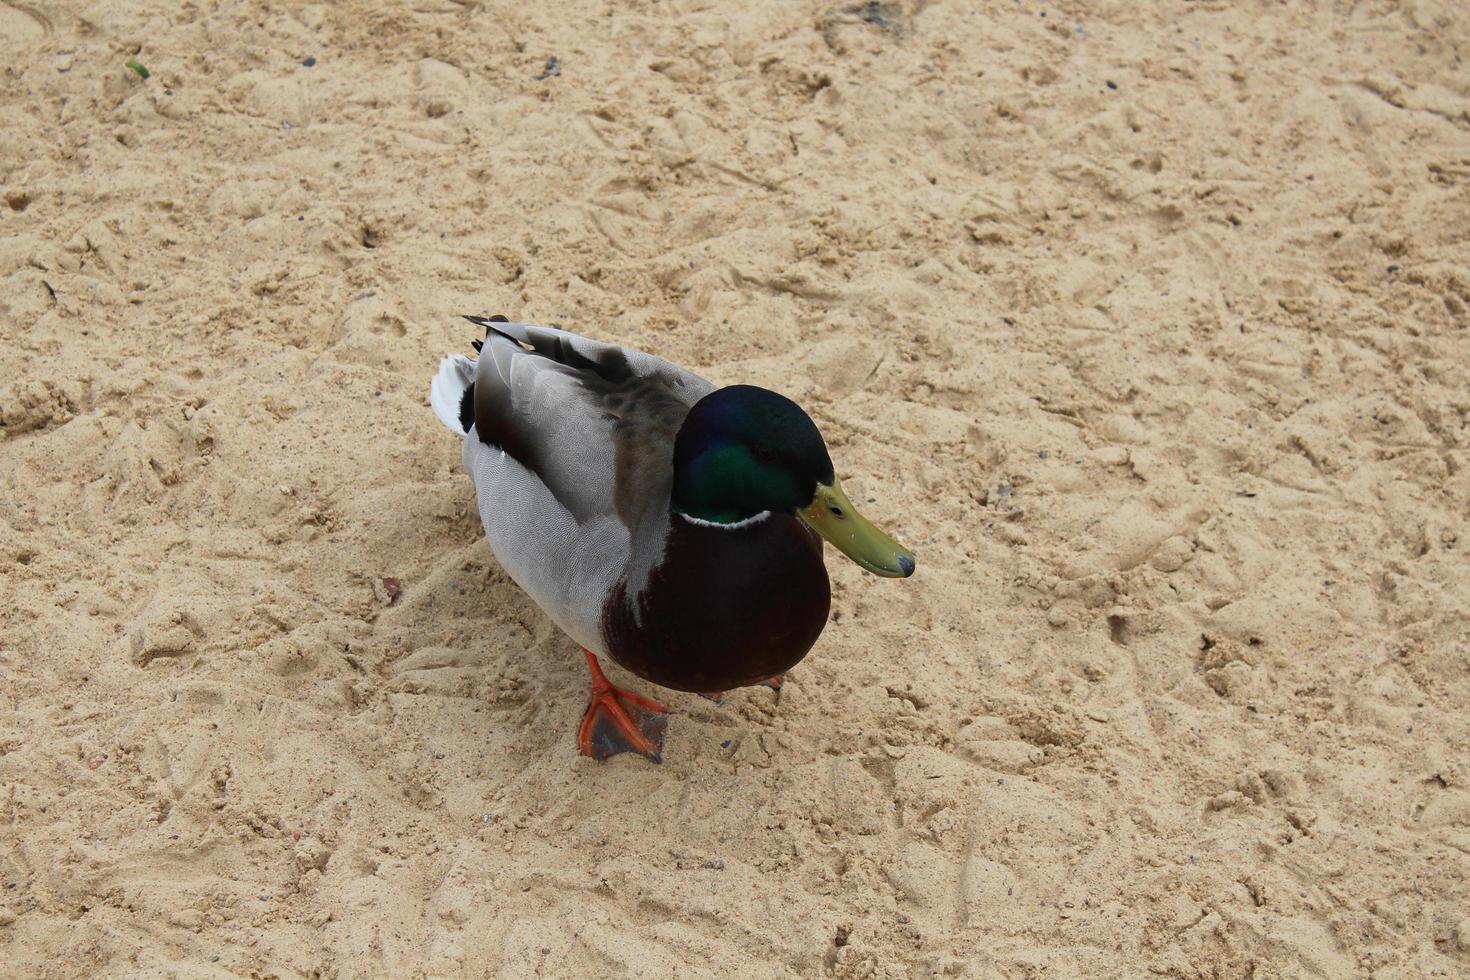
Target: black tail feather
column 467, row 408
column 467, row 400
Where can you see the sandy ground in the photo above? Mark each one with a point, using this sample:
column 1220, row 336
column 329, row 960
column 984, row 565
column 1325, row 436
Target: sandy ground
column 1149, row 329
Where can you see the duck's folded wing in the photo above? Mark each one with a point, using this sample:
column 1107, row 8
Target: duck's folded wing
column 594, row 422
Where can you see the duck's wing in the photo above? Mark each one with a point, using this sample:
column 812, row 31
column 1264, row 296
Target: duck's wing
column 593, row 422
column 571, row 452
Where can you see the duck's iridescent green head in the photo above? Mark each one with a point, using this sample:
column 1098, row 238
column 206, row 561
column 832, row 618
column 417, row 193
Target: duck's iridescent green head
column 744, row 451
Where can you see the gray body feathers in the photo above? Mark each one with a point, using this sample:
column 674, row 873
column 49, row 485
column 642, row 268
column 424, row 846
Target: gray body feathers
column 571, row 454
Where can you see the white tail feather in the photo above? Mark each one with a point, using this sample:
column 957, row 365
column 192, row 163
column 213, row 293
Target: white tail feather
column 446, row 391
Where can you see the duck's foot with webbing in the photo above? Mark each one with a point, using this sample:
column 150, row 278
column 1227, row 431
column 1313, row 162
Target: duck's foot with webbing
column 620, row 721
column 774, row 683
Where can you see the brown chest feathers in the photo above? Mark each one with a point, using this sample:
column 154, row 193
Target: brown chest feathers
column 725, row 608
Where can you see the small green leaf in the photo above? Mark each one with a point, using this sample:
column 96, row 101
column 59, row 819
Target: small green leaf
column 137, row 66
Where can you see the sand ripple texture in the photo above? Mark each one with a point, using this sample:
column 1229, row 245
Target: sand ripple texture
column 1148, row 325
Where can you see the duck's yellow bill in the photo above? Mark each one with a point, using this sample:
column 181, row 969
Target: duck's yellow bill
column 834, row 517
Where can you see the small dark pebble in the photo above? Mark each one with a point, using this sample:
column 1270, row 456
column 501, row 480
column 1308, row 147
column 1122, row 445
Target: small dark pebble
column 214, row 958
column 903, row 918
column 1393, row 268
column 1042, row 454
column 1113, row 85
column 552, row 69
column 308, row 63
column 545, row 950
column 725, row 744
column 301, row 217
column 873, row 14
column 438, row 755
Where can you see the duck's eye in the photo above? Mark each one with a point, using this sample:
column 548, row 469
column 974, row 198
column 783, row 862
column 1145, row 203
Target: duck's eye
column 836, row 511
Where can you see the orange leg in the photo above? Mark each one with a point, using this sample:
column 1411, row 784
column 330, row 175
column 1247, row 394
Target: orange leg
column 620, row 721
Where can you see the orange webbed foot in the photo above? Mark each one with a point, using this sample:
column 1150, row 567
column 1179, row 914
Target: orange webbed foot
column 774, row 683
column 620, row 721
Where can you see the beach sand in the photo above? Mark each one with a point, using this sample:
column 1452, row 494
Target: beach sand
column 1147, row 326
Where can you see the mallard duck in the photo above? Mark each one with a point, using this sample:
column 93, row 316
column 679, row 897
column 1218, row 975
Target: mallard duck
column 671, row 525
